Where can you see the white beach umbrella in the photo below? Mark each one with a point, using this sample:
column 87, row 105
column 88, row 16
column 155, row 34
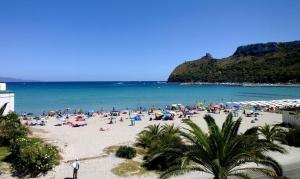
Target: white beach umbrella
column 252, row 103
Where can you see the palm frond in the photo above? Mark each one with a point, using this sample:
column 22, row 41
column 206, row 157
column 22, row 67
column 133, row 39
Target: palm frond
column 213, row 128
column 263, row 171
column 2, row 109
column 180, row 170
column 241, row 175
column 251, row 131
column 222, row 151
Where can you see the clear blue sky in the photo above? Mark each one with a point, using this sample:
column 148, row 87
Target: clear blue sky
column 60, row 40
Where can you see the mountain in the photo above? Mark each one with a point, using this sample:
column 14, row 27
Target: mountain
column 8, row 79
column 257, row 63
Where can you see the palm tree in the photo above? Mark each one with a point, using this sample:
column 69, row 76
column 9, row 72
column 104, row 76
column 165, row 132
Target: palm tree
column 170, row 129
column 222, row 152
column 148, row 135
column 155, row 138
column 272, row 133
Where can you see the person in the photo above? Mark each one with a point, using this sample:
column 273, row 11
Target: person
column 111, row 121
column 132, row 122
column 76, row 166
column 103, row 129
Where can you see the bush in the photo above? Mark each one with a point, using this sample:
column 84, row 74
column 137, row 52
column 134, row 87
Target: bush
column 292, row 137
column 32, row 156
column 28, row 155
column 11, row 129
column 126, row 152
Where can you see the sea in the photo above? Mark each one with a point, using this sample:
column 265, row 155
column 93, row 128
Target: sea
column 39, row 97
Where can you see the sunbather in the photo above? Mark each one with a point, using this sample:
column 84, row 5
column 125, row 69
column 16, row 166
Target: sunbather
column 103, row 129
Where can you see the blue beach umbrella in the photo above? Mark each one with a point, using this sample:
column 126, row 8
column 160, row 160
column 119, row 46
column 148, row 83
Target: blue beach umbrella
column 137, row 118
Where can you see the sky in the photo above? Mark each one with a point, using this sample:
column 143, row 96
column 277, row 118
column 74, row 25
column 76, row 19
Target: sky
column 132, row 40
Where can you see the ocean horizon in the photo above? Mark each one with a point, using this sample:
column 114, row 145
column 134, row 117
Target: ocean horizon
column 37, row 97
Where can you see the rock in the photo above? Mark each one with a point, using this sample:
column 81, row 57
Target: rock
column 264, row 48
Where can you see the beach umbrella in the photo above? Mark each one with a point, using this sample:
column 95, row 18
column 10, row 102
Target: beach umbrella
column 171, row 112
column 189, row 107
column 158, row 113
column 114, row 110
column 37, row 118
column 174, row 107
column 67, row 109
column 248, row 111
column 190, row 113
column 61, row 119
column 137, row 118
column 125, row 111
column 85, row 118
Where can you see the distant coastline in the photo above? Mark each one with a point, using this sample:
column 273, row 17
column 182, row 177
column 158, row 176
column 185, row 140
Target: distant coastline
column 266, row 63
column 164, row 82
column 244, row 84
column 12, row 80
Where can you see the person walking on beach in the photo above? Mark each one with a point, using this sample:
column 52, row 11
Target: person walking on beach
column 76, row 166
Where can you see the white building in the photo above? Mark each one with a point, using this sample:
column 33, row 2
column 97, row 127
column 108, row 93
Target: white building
column 7, row 97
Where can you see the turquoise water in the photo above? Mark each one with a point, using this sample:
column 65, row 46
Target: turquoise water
column 44, row 96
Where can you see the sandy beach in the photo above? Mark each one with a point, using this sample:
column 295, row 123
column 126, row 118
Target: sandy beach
column 87, row 143
column 82, row 81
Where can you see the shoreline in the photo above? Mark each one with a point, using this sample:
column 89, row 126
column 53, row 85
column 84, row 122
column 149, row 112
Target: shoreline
column 179, row 83
column 241, row 84
column 38, row 97
column 279, row 104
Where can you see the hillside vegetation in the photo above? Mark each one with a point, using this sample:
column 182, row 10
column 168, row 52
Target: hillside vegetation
column 257, row 63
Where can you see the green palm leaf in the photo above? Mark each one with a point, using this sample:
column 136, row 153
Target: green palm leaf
column 222, row 151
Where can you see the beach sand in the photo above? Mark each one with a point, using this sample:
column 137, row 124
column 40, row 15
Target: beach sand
column 87, row 143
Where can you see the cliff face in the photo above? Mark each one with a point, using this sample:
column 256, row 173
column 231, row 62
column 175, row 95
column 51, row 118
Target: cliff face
column 257, row 63
column 264, row 48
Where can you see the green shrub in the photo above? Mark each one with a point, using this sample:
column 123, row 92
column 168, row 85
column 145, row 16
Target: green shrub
column 29, row 156
column 11, row 129
column 126, row 152
column 33, row 156
column 4, row 152
column 292, row 137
